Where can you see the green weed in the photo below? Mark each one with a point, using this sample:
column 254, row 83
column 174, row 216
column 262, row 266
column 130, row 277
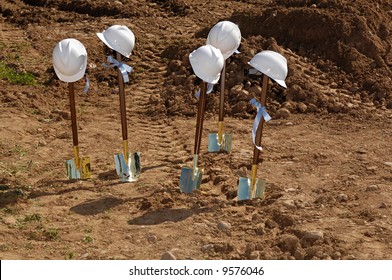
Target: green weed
column 87, row 239
column 7, row 73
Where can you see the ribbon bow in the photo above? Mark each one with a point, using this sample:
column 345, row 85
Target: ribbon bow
column 261, row 112
column 124, row 68
column 210, row 87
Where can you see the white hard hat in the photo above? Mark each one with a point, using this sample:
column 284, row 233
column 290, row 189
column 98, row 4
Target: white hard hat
column 225, row 36
column 207, row 63
column 69, row 60
column 272, row 64
column 119, row 38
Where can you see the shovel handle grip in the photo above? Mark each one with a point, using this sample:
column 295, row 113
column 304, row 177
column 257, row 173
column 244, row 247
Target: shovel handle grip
column 222, row 93
column 73, row 114
column 200, row 117
column 123, row 110
column 259, row 132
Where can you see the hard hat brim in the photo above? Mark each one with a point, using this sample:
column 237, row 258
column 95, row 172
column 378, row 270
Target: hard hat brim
column 280, row 82
column 102, row 38
column 73, row 78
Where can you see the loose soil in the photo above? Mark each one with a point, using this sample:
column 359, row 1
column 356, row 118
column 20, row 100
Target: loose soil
column 327, row 150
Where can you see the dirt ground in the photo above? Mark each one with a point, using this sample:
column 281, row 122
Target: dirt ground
column 327, row 150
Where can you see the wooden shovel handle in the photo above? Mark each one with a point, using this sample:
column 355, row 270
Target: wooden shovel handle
column 222, row 95
column 259, row 132
column 73, row 114
column 200, row 117
column 123, row 110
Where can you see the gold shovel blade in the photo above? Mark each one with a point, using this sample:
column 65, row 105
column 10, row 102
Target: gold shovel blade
column 83, row 172
column 215, row 146
column 128, row 172
column 245, row 191
column 189, row 181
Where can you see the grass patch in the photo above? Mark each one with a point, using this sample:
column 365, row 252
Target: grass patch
column 87, row 239
column 7, row 73
column 51, row 233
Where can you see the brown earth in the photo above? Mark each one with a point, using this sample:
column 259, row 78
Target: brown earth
column 327, row 151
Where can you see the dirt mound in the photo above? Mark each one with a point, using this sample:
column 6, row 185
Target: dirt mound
column 348, row 72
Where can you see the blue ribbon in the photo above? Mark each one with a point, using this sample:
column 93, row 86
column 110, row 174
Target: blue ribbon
column 87, row 86
column 210, row 87
column 261, row 112
column 124, row 68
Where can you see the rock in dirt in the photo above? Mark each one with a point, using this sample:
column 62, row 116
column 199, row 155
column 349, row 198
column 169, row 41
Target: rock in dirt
column 311, row 236
column 372, row 188
column 388, row 163
column 224, row 226
column 282, row 113
column 289, row 204
column 289, row 243
column 152, row 239
column 168, row 256
column 342, row 197
column 260, row 229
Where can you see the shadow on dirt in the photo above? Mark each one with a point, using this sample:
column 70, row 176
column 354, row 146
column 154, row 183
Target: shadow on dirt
column 96, row 206
column 166, row 215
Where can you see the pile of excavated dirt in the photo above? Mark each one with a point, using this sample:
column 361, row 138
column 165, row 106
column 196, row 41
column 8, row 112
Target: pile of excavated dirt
column 339, row 57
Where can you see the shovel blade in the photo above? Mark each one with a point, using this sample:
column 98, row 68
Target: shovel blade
column 128, row 172
column 189, row 182
column 213, row 143
column 245, row 189
column 74, row 173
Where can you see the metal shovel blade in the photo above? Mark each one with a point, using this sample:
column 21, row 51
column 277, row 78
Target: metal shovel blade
column 74, row 173
column 189, row 181
column 245, row 189
column 128, row 172
column 215, row 146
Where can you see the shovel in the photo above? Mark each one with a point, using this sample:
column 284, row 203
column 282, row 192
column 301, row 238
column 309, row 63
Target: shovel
column 250, row 188
column 77, row 168
column 220, row 141
column 190, row 179
column 127, row 165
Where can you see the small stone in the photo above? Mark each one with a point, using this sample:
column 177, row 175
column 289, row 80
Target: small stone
column 235, row 90
column 289, row 243
column 255, row 90
column 289, row 204
column 312, row 108
column 255, row 255
column 388, row 163
column 313, row 6
column 384, row 205
column 117, row 3
column 342, row 197
column 168, row 256
column 371, row 168
column 207, row 248
column 243, row 95
column 349, row 257
column 42, row 143
column 250, row 247
column 336, row 255
column 301, row 107
column 224, row 226
column 282, row 113
column 260, row 229
column 372, row 188
column 311, row 236
column 300, row 254
column 152, row 239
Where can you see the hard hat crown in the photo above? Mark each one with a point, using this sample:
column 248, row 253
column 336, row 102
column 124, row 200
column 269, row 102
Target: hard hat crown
column 69, row 60
column 226, row 36
column 272, row 64
column 119, row 38
column 207, row 63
